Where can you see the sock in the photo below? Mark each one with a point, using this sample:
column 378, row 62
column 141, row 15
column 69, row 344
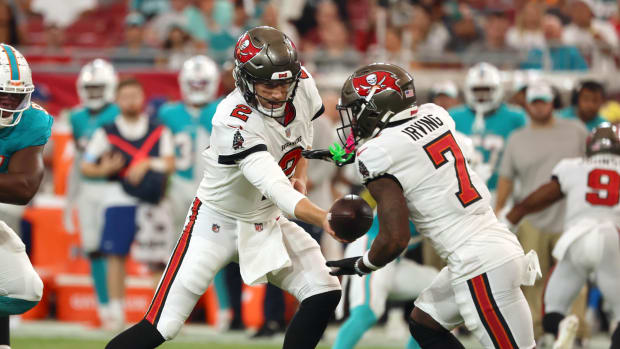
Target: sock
column 361, row 320
column 310, row 321
column 221, row 290
column 142, row 335
column 116, row 310
column 98, row 271
column 615, row 338
column 4, row 330
column 413, row 344
column 429, row 338
column 551, row 323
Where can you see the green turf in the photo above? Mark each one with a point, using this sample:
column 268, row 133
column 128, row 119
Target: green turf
column 66, row 343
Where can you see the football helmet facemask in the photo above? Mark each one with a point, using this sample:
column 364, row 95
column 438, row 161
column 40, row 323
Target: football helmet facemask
column 371, row 98
column 266, row 55
column 483, row 88
column 96, row 84
column 199, row 80
column 603, row 139
column 16, row 86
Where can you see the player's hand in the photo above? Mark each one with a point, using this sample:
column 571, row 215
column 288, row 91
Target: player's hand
column 111, row 163
column 299, row 185
column 347, row 266
column 502, row 217
column 328, row 229
column 137, row 172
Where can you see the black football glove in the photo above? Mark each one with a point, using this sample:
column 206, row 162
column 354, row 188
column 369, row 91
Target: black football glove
column 347, row 266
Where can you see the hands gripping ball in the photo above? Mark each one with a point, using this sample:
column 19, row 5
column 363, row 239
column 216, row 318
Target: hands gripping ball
column 350, row 217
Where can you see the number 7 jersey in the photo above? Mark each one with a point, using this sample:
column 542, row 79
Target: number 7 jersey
column 240, row 130
column 447, row 201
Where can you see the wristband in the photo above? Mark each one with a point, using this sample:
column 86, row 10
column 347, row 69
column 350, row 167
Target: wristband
column 356, row 267
column 367, row 263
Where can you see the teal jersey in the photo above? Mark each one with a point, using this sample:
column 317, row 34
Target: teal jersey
column 34, row 129
column 571, row 113
column 498, row 127
column 374, row 231
column 184, row 127
column 84, row 123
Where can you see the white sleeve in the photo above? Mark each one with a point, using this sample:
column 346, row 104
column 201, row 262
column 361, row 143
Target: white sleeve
column 166, row 143
column 260, row 169
column 234, row 141
column 373, row 162
column 97, row 145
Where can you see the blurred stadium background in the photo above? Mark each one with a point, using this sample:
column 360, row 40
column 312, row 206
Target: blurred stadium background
column 437, row 40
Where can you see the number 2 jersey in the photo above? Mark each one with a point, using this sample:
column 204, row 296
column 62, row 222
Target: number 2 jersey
column 447, row 201
column 591, row 186
column 240, row 130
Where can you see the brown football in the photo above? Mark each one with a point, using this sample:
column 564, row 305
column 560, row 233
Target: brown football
column 350, row 217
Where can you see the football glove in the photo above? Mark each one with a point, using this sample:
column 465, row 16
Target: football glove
column 347, row 266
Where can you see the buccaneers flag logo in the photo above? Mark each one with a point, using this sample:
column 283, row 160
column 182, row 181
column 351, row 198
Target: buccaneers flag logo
column 382, row 80
column 245, row 49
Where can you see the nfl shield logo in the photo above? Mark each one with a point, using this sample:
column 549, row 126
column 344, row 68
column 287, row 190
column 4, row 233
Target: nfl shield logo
column 288, row 132
column 215, row 228
column 258, row 227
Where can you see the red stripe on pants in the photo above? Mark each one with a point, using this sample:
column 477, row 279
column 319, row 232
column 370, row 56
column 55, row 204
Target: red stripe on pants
column 175, row 263
column 489, row 314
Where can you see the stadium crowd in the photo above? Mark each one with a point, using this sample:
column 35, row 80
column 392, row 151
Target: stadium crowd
column 112, row 38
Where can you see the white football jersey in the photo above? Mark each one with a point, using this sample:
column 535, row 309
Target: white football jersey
column 447, row 201
column 591, row 186
column 239, row 130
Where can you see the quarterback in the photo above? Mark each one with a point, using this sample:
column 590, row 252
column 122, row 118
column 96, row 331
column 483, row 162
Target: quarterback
column 414, row 167
column 24, row 129
column 589, row 246
column 254, row 174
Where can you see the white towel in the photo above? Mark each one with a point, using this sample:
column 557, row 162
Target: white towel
column 261, row 251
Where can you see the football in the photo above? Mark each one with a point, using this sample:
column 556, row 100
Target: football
column 350, row 217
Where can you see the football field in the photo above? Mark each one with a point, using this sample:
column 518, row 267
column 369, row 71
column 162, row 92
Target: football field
column 51, row 334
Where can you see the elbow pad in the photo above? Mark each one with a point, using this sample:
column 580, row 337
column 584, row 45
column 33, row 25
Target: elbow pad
column 263, row 172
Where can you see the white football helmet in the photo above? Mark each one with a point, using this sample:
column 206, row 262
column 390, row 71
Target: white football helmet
column 16, row 85
column 483, row 88
column 199, row 79
column 96, row 84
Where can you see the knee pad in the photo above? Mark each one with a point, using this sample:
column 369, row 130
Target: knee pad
column 15, row 306
column 551, row 322
column 326, row 300
column 433, row 339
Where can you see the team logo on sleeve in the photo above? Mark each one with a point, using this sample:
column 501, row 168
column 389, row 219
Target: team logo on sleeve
column 238, row 140
column 258, row 227
column 363, row 170
column 245, row 49
column 382, row 80
column 215, row 228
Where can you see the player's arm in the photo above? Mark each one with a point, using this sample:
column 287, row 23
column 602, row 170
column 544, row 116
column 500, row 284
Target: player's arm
column 504, row 190
column 23, row 177
column 393, row 237
column 543, row 197
column 260, row 169
column 394, row 234
column 96, row 163
column 300, row 177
